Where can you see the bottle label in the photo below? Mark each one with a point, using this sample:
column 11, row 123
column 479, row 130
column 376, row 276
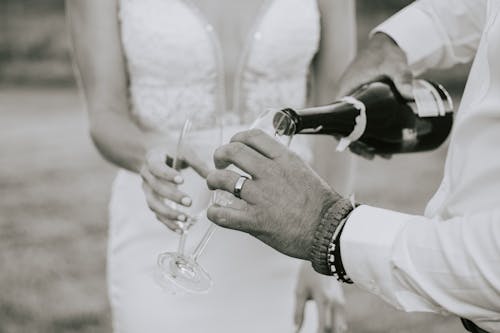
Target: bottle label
column 359, row 127
column 427, row 100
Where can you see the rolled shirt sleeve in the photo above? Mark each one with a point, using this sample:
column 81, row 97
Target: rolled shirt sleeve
column 427, row 265
column 437, row 34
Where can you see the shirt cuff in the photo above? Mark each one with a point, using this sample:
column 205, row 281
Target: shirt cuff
column 408, row 28
column 366, row 245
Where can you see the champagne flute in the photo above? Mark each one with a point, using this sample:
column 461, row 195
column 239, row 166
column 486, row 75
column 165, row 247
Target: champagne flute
column 195, row 148
column 178, row 268
column 268, row 121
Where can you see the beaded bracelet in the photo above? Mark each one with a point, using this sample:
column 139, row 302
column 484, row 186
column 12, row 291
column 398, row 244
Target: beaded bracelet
column 324, row 233
column 334, row 256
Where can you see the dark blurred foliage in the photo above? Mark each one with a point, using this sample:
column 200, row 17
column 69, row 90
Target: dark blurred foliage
column 33, row 43
column 377, row 5
column 34, row 46
column 35, row 4
column 59, row 4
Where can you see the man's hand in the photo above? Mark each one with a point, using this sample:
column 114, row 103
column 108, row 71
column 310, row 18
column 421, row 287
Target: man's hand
column 283, row 201
column 381, row 57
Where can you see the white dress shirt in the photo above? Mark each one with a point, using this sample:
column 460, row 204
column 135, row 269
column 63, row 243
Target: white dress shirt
column 447, row 261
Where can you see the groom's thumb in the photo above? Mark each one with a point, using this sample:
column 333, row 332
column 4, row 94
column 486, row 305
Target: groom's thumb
column 404, row 84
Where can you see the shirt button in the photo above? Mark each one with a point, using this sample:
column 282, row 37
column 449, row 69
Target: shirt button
column 373, row 286
column 443, row 312
column 445, row 183
column 209, row 27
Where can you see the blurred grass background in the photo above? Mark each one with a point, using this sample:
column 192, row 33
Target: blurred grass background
column 54, row 186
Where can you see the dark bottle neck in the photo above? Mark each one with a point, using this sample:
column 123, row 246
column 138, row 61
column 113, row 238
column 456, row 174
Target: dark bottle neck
column 381, row 99
column 338, row 117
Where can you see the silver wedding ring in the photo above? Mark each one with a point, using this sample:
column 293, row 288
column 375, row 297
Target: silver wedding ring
column 239, row 186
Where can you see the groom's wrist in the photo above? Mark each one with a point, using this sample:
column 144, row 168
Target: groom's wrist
column 331, row 218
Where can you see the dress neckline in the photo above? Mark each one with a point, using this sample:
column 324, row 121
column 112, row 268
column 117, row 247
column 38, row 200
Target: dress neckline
column 242, row 59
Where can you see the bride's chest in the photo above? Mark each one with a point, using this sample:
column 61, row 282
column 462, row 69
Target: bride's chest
column 170, row 37
column 232, row 20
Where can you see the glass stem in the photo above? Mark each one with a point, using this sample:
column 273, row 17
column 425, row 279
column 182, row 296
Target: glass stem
column 203, row 243
column 182, row 243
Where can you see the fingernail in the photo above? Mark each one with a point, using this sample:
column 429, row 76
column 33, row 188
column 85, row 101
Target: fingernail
column 182, row 218
column 178, row 179
column 186, row 201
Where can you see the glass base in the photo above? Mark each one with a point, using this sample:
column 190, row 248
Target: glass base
column 183, row 272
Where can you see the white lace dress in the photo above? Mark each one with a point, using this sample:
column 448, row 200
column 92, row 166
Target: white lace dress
column 176, row 69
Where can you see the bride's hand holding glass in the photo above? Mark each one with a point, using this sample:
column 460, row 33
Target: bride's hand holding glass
column 194, row 152
column 182, row 203
column 160, row 183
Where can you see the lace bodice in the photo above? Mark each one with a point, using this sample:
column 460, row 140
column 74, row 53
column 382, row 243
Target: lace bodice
column 176, row 69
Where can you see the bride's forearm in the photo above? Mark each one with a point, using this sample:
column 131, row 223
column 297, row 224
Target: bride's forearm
column 102, row 74
column 337, row 47
column 118, row 143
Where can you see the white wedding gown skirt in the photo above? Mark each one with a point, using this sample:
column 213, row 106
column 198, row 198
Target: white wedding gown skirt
column 174, row 71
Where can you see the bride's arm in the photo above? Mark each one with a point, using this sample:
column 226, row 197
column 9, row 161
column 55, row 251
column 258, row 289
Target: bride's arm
column 337, row 49
column 99, row 58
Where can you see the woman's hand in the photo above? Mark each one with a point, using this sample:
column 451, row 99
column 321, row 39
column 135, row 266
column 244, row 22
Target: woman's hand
column 328, row 295
column 160, row 184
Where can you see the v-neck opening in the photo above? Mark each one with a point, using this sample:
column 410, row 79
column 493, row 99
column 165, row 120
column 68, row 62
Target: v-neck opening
column 241, row 58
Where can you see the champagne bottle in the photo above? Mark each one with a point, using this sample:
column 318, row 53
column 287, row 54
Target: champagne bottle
column 377, row 115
